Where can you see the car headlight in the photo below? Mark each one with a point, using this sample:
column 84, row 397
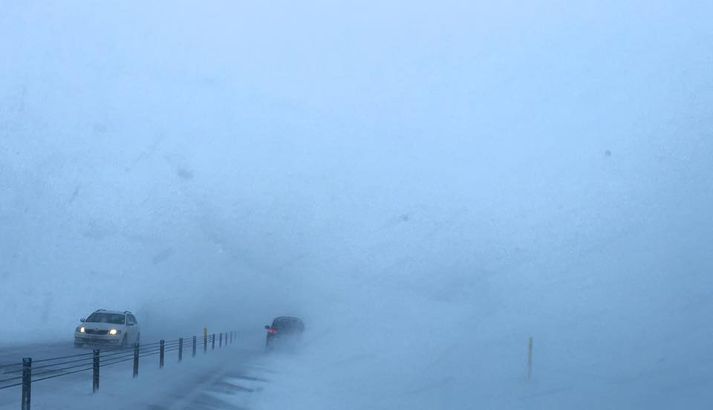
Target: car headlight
column 80, row 329
column 114, row 332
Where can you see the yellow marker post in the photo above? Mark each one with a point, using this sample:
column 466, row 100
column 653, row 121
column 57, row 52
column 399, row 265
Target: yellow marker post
column 529, row 359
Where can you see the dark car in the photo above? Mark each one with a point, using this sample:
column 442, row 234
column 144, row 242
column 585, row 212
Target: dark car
column 285, row 331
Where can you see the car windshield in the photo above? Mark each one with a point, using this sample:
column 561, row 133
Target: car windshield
column 113, row 318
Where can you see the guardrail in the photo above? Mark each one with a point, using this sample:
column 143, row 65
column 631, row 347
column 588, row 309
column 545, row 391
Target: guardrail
column 28, row 372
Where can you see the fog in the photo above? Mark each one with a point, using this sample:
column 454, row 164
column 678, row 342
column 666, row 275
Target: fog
column 428, row 185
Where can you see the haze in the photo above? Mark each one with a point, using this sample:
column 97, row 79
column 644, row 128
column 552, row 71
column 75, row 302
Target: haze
column 427, row 184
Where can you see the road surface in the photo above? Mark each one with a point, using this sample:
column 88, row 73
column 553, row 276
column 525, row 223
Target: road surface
column 226, row 378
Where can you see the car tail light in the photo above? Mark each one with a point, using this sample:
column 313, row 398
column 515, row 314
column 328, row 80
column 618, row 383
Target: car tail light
column 272, row 330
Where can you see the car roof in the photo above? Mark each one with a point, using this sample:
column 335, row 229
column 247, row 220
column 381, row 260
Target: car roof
column 288, row 321
column 288, row 318
column 118, row 312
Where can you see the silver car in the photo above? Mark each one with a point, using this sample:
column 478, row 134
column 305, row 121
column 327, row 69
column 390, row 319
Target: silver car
column 108, row 328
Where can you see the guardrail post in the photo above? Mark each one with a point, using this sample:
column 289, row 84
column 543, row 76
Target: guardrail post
column 180, row 349
column 212, row 346
column 205, row 340
column 194, row 346
column 26, row 382
column 220, row 341
column 162, row 351
column 95, row 371
column 136, row 360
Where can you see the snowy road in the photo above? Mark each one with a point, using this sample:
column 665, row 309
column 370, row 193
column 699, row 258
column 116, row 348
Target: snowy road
column 220, row 379
column 14, row 354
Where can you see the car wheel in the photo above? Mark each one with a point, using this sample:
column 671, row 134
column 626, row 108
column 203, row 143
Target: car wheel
column 123, row 343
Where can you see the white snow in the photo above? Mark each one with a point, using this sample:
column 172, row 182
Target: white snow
column 427, row 184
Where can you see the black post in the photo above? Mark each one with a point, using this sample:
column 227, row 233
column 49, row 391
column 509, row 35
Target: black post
column 95, row 371
column 26, row 382
column 136, row 360
column 162, row 352
column 194, row 346
column 220, row 343
column 205, row 342
column 212, row 347
column 180, row 349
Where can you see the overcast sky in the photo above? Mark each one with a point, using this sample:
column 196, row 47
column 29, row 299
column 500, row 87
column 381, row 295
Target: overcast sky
column 544, row 162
